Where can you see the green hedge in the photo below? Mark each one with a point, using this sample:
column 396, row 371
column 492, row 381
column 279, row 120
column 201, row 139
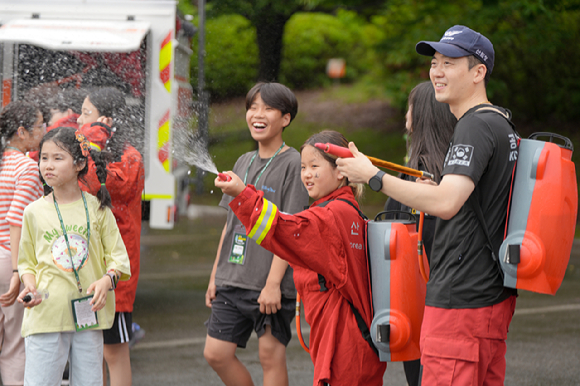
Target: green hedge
column 231, row 61
column 311, row 39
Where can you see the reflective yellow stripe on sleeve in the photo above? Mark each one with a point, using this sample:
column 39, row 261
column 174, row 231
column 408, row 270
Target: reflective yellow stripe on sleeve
column 264, row 223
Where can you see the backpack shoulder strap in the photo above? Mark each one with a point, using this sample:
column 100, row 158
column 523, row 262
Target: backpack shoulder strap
column 364, row 329
column 321, row 278
column 475, row 197
column 494, row 109
column 489, row 108
column 355, row 208
column 477, row 209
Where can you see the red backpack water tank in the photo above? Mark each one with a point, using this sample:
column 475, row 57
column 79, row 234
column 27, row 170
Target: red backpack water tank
column 398, row 289
column 542, row 218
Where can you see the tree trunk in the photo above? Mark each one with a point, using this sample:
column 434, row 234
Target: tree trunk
column 269, row 31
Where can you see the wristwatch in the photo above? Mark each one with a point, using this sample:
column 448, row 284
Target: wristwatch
column 376, row 181
column 113, row 281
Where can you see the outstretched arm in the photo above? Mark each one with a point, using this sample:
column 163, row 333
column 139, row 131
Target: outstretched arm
column 443, row 200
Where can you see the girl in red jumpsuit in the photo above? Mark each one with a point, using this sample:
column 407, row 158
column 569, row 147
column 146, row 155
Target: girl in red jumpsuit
column 325, row 246
column 125, row 180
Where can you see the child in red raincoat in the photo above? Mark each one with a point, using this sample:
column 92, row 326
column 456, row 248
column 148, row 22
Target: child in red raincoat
column 125, row 182
column 325, row 246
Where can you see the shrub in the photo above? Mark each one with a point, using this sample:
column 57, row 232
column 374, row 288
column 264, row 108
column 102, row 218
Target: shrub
column 231, row 61
column 311, row 39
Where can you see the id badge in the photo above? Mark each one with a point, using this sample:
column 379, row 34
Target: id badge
column 83, row 316
column 239, row 244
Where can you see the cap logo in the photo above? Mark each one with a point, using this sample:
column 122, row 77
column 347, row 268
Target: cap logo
column 452, row 33
column 481, row 55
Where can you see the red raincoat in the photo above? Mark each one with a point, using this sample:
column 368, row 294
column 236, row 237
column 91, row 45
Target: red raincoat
column 329, row 241
column 125, row 182
column 68, row 121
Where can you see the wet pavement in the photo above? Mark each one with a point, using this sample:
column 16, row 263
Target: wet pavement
column 543, row 343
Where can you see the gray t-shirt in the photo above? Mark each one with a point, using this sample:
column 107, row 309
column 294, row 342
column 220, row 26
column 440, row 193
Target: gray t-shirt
column 281, row 185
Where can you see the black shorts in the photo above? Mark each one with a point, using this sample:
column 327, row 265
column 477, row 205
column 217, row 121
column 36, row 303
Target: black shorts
column 122, row 330
column 235, row 312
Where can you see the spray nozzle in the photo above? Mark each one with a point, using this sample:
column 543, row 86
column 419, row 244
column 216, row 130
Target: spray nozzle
column 335, row 150
column 224, row 177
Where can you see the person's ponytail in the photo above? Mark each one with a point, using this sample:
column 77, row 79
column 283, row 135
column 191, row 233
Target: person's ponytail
column 103, row 194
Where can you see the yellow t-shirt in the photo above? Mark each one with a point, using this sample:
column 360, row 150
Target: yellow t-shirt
column 43, row 253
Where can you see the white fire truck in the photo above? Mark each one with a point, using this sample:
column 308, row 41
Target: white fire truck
column 141, row 47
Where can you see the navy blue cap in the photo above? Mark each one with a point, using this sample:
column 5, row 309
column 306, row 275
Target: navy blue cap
column 459, row 41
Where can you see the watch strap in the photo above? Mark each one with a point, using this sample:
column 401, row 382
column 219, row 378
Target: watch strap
column 378, row 185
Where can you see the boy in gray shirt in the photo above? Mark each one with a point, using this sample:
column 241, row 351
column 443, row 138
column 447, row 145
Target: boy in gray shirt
column 250, row 288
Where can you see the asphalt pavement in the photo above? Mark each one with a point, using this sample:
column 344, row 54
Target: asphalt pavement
column 543, row 343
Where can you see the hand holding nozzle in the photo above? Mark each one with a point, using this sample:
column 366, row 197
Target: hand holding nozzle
column 229, row 183
column 343, row 152
column 224, row 177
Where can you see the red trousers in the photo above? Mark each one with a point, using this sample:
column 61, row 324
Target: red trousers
column 465, row 346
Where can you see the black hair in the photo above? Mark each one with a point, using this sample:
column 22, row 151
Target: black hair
column 110, row 102
column 473, row 61
column 275, row 95
column 14, row 115
column 41, row 97
column 431, row 129
column 335, row 138
column 70, row 98
column 65, row 138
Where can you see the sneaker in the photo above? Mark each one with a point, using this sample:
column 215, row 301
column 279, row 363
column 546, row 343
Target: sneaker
column 138, row 334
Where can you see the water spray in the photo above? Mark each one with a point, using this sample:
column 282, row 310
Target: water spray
column 191, row 148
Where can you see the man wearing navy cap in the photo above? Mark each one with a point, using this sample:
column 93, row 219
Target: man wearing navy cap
column 467, row 308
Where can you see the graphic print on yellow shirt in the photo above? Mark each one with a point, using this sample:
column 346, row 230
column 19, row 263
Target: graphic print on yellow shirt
column 78, row 250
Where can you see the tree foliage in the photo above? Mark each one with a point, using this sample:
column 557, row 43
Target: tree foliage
column 537, row 66
column 231, row 60
column 311, row 39
column 537, row 63
column 269, row 18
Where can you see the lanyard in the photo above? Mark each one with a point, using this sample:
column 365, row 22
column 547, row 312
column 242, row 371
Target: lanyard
column 14, row 148
column 263, row 170
column 66, row 239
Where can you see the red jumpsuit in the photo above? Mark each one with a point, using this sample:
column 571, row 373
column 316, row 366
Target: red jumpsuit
column 329, row 241
column 125, row 182
column 68, row 121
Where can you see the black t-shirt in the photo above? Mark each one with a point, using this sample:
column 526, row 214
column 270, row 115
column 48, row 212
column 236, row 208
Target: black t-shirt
column 463, row 273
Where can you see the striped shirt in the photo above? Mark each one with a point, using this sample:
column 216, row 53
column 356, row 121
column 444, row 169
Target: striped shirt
column 19, row 186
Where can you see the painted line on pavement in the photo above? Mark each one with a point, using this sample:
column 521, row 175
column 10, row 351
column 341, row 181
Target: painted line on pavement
column 543, row 310
column 306, row 330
